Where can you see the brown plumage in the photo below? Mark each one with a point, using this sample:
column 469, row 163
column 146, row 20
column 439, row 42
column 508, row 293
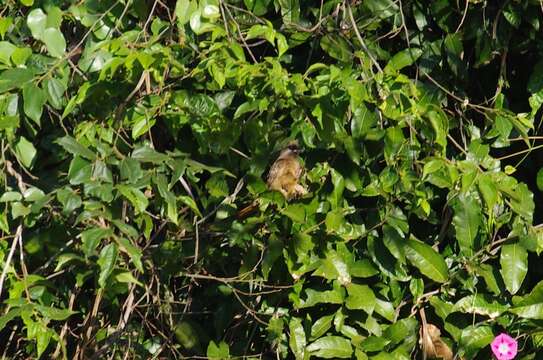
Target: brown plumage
column 285, row 173
column 284, row 176
column 430, row 341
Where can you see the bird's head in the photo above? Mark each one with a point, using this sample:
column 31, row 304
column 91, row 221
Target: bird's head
column 292, row 148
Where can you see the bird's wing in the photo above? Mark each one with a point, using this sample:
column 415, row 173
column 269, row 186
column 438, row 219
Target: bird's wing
column 276, row 170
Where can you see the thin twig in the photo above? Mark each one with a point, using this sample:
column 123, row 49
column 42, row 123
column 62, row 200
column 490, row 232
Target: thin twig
column 240, row 34
column 519, row 152
column 404, row 26
column 463, row 17
column 364, row 47
column 18, row 234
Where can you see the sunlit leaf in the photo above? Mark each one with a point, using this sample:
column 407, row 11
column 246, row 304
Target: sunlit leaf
column 514, row 266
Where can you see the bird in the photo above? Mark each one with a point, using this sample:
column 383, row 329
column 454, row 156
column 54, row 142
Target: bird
column 285, row 172
column 284, row 177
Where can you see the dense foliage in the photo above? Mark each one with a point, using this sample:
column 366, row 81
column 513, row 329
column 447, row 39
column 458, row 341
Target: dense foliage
column 132, row 132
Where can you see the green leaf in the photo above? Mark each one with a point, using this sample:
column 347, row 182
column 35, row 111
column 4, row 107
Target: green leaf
column 360, row 297
column 69, row 199
column 514, row 266
column 73, row 147
column 10, row 196
column 65, row 258
column 80, row 171
column 184, row 10
column 33, row 194
column 76, row 100
column 34, row 99
column 220, row 351
column 394, row 242
column 362, row 121
column 43, row 338
column 130, row 170
column 4, row 225
column 10, row 315
column 147, row 154
column 333, row 267
column 374, row 343
column 26, row 152
column 539, row 179
column 132, row 251
column 385, row 309
column 106, row 261
column 14, row 78
column 481, row 305
column 54, row 313
column 55, row 42
column 488, row 190
column 55, row 92
column 36, row 22
column 91, row 238
column 187, row 200
column 19, row 210
column 258, row 30
column 535, row 82
column 211, row 11
column 466, row 221
column 127, row 278
column 321, row 326
column 336, row 197
column 334, row 221
column 135, row 196
column 5, row 23
column 101, row 171
column 331, row 347
column 6, row 50
column 337, row 47
column 402, row 330
column 427, row 260
column 402, row 59
column 531, row 305
column 315, row 297
column 474, row 338
column 363, row 269
column 282, row 44
column 297, row 340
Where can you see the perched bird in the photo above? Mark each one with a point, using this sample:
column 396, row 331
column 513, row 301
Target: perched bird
column 284, row 176
column 285, row 173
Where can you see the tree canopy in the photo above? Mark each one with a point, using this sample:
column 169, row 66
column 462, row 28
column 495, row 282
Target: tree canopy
column 132, row 133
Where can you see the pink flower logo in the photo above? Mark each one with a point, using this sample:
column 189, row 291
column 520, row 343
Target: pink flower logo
column 504, row 347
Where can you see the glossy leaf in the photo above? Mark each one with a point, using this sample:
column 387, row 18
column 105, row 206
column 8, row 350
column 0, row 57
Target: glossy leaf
column 514, row 266
column 331, row 347
column 36, row 22
column 427, row 260
column 466, row 221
